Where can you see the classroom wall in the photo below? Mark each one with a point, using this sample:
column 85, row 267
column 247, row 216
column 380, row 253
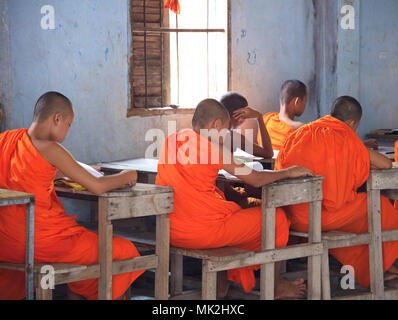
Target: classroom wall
column 86, row 58
column 6, row 100
column 378, row 71
column 276, row 40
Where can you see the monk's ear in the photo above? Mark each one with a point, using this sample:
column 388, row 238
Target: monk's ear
column 57, row 117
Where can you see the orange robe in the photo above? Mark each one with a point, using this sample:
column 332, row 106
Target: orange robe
column 278, row 130
column 202, row 217
column 173, row 5
column 332, row 149
column 396, row 151
column 57, row 236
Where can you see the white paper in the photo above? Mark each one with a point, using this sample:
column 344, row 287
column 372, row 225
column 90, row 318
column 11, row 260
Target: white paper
column 88, row 168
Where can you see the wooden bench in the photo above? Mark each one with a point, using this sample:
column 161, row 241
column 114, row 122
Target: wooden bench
column 378, row 180
column 286, row 192
column 9, row 198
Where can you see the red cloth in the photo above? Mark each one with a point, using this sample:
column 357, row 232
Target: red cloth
column 332, row 149
column 278, row 130
column 173, row 5
column 57, row 237
column 202, row 217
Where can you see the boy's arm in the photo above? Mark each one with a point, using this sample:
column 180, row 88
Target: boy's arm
column 378, row 160
column 260, row 178
column 60, row 158
column 265, row 150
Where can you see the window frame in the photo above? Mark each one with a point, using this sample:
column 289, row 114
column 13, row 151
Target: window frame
column 165, row 72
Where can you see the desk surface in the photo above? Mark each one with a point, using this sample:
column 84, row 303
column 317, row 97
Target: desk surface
column 140, row 189
column 151, row 165
column 6, row 194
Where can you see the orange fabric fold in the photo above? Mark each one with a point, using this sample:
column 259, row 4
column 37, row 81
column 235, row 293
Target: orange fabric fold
column 278, row 130
column 173, row 5
column 57, row 237
column 202, row 217
column 332, row 149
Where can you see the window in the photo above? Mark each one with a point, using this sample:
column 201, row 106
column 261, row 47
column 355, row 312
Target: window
column 177, row 60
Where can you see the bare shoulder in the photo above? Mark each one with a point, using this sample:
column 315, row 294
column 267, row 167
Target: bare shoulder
column 296, row 124
column 52, row 151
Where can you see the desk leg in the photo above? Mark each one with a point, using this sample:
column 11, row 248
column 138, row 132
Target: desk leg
column 375, row 246
column 267, row 274
column 104, row 252
column 29, row 258
column 314, row 262
column 162, row 252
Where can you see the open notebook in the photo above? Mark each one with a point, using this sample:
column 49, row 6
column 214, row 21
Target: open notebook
column 66, row 181
column 255, row 165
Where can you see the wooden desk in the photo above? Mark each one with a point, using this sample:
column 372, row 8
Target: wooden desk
column 9, row 198
column 386, row 182
column 139, row 201
column 383, row 134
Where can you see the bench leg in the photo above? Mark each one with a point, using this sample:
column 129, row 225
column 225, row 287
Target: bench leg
column 267, row 274
column 162, row 251
column 209, row 283
column 325, row 275
column 43, row 294
column 176, row 274
column 314, row 262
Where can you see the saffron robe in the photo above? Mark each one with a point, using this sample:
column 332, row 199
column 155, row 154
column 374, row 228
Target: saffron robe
column 278, row 130
column 57, row 236
column 330, row 148
column 202, row 217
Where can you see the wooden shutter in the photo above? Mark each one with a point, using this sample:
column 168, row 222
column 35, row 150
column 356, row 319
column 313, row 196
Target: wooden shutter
column 149, row 72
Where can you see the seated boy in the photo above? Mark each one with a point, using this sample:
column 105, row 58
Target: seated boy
column 29, row 162
column 202, row 218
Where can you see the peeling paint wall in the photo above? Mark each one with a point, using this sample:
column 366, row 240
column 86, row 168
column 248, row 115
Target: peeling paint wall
column 378, row 76
column 86, row 58
column 6, row 100
column 273, row 41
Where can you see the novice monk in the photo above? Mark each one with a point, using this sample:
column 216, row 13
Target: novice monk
column 292, row 99
column 239, row 111
column 331, row 148
column 202, row 218
column 29, row 161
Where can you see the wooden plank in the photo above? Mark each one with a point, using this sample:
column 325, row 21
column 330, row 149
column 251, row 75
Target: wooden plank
column 177, row 274
column 135, row 264
column 43, row 294
column 326, row 295
column 314, row 262
column 162, row 252
column 144, row 205
column 293, row 192
column 6, row 194
column 215, row 254
column 267, row 273
column 29, row 249
column 104, row 252
column 261, row 257
column 375, row 246
column 363, row 238
column 383, row 179
column 209, row 282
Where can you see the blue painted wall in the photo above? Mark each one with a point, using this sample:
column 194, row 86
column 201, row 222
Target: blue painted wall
column 86, row 58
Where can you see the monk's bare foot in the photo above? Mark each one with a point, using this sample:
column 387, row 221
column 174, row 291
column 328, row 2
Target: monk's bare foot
column 290, row 290
column 391, row 273
column 390, row 276
column 70, row 295
column 222, row 284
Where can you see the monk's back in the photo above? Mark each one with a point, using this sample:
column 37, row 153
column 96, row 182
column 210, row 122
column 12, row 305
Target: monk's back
column 22, row 168
column 182, row 165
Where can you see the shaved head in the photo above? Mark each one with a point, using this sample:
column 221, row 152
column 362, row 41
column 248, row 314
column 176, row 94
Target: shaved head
column 233, row 101
column 208, row 110
column 346, row 108
column 292, row 89
column 50, row 103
